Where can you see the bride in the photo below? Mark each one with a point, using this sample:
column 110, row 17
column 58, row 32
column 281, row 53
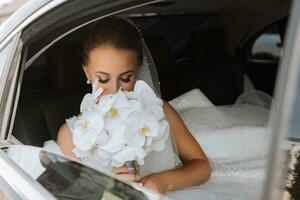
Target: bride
column 112, row 54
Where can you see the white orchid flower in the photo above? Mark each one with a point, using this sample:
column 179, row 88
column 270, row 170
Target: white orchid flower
column 128, row 153
column 158, row 143
column 82, row 154
column 142, row 126
column 148, row 98
column 119, row 127
column 89, row 100
column 116, row 141
column 104, row 157
column 86, row 130
column 116, row 110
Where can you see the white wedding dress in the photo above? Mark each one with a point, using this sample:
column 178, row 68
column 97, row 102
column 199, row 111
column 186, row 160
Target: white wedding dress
column 233, row 137
column 235, row 140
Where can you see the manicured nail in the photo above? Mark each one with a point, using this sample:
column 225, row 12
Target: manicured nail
column 130, row 168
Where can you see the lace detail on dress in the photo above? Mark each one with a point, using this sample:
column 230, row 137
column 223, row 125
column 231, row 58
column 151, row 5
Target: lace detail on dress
column 193, row 98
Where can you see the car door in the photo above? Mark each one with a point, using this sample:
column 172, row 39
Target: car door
column 17, row 184
column 10, row 56
column 45, row 31
column 284, row 121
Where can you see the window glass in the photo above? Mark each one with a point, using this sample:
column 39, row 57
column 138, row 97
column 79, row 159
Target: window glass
column 294, row 133
column 4, row 56
column 68, row 179
column 268, row 45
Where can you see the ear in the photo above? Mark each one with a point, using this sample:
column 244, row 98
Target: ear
column 86, row 71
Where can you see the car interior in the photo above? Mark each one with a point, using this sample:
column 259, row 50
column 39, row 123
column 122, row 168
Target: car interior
column 220, row 50
column 206, row 46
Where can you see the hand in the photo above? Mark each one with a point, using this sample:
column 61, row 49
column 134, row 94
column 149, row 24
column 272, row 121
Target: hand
column 155, row 182
column 126, row 173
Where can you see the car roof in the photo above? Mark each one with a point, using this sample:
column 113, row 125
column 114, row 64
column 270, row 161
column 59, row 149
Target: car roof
column 21, row 15
column 231, row 11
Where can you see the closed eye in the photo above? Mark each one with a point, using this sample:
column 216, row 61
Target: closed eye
column 103, row 81
column 127, row 79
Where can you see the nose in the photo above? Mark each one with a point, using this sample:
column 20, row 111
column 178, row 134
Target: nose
column 114, row 87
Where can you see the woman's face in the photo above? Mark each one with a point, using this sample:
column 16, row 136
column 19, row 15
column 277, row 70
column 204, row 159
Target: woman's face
column 112, row 68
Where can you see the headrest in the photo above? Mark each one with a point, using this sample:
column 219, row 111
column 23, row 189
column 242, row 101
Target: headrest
column 64, row 66
column 207, row 46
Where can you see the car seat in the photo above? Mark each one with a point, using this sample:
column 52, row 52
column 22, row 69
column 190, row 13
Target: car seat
column 208, row 67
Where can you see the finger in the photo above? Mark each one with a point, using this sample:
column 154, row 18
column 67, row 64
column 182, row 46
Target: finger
column 129, row 177
column 136, row 163
column 143, row 180
column 137, row 167
column 120, row 170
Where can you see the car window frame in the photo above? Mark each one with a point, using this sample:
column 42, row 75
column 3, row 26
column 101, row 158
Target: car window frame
column 281, row 113
column 264, row 60
column 21, row 182
column 244, row 49
column 8, row 191
column 8, row 82
column 26, row 60
column 43, row 49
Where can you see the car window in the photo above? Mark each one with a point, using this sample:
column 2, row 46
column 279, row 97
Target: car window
column 5, row 56
column 294, row 133
column 67, row 179
column 267, row 46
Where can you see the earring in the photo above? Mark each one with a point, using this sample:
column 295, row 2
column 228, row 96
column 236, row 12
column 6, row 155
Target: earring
column 88, row 82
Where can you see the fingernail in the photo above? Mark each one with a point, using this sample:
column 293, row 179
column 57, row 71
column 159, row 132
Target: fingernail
column 130, row 168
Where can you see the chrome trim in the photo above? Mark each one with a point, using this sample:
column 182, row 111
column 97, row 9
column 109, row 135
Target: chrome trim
column 20, row 181
column 281, row 113
column 17, row 80
column 8, row 93
column 27, row 21
column 11, row 84
column 6, row 79
column 7, row 191
column 32, row 59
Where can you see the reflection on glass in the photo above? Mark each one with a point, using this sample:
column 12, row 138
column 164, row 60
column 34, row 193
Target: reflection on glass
column 67, row 179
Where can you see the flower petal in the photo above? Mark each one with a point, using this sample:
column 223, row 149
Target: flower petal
column 86, row 102
column 80, row 153
column 84, row 140
column 116, row 141
column 126, row 154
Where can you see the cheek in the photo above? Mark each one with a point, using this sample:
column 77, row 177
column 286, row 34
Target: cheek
column 127, row 86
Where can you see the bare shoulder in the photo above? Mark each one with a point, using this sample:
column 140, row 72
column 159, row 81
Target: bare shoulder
column 171, row 113
column 168, row 109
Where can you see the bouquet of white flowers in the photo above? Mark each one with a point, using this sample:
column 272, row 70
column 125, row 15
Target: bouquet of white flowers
column 120, row 127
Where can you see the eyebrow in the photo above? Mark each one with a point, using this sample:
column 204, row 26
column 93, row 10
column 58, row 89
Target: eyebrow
column 100, row 72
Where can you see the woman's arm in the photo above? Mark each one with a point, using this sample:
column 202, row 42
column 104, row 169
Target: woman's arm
column 64, row 141
column 195, row 169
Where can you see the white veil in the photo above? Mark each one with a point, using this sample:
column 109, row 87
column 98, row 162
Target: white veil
column 148, row 73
